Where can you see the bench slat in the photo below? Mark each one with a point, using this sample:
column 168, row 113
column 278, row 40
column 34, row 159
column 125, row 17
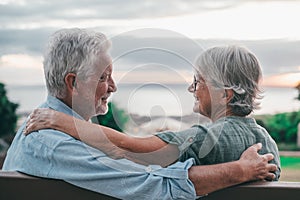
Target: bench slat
column 14, row 185
column 259, row 191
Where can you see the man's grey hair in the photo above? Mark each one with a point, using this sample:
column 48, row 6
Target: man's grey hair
column 236, row 68
column 72, row 51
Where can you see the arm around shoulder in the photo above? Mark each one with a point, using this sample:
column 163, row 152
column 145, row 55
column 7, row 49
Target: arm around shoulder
column 251, row 166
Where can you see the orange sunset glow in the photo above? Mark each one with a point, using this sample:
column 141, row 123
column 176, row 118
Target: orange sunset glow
column 282, row 80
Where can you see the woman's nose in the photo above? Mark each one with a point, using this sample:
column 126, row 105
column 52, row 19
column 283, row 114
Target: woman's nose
column 191, row 88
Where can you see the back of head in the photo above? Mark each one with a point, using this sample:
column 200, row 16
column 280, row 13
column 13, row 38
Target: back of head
column 236, row 68
column 71, row 51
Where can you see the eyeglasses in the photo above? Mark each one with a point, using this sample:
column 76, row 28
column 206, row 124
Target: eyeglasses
column 197, row 82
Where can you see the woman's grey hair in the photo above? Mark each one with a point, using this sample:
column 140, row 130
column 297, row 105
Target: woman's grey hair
column 236, row 68
column 72, row 51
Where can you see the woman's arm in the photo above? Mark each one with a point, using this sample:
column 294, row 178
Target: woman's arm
column 149, row 150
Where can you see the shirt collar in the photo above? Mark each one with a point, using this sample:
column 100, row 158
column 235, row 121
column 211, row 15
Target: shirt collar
column 242, row 119
column 56, row 104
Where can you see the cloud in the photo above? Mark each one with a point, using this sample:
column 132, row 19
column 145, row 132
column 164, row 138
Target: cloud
column 205, row 18
column 18, row 61
column 36, row 10
column 143, row 47
column 26, row 26
column 21, row 69
column 282, row 80
column 276, row 56
column 32, row 41
column 105, row 9
column 145, row 55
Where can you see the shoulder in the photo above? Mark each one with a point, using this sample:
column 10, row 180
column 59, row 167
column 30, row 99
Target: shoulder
column 50, row 138
column 235, row 125
column 220, row 125
column 193, row 131
column 180, row 137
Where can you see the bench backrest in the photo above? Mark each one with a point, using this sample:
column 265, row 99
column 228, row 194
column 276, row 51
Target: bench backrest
column 259, row 190
column 14, row 185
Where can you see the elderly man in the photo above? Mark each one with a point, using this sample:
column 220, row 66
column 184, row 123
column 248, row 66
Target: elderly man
column 78, row 73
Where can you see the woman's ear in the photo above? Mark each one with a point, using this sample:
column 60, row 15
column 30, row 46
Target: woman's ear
column 70, row 80
column 228, row 94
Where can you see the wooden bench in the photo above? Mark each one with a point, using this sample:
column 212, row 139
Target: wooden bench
column 259, row 191
column 14, row 185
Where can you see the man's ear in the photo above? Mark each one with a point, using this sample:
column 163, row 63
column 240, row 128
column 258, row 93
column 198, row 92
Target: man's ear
column 70, row 80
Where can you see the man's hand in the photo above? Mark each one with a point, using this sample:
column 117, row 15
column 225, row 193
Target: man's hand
column 251, row 166
column 255, row 166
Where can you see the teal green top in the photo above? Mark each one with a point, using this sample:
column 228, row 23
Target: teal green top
column 222, row 141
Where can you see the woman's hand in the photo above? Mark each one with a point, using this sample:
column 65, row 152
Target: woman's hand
column 41, row 118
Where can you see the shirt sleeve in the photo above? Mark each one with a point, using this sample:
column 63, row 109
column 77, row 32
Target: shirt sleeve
column 183, row 139
column 86, row 167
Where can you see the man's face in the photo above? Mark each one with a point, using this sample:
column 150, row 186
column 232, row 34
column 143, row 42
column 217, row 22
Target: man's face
column 105, row 87
column 92, row 94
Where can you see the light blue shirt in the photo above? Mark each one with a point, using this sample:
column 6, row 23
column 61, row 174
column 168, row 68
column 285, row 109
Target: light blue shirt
column 52, row 154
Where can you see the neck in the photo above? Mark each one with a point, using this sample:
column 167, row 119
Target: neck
column 79, row 111
column 221, row 113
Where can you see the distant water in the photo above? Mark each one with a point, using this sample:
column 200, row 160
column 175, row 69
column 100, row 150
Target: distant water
column 157, row 99
column 28, row 97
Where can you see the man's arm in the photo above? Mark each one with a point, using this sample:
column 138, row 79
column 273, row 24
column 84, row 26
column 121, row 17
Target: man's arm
column 206, row 179
column 251, row 166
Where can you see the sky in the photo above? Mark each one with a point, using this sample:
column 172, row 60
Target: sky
column 152, row 39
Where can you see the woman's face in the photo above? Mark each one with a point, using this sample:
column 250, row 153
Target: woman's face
column 207, row 98
column 201, row 93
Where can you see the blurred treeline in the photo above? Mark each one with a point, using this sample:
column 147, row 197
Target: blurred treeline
column 8, row 116
column 283, row 127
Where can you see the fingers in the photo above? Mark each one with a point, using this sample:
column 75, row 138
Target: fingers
column 267, row 172
column 269, row 156
column 257, row 146
column 272, row 167
column 38, row 119
column 251, row 152
column 270, row 177
column 29, row 127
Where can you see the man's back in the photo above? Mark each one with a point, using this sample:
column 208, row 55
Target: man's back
column 53, row 154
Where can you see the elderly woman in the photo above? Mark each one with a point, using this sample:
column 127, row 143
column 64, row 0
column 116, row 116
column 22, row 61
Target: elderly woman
column 225, row 88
